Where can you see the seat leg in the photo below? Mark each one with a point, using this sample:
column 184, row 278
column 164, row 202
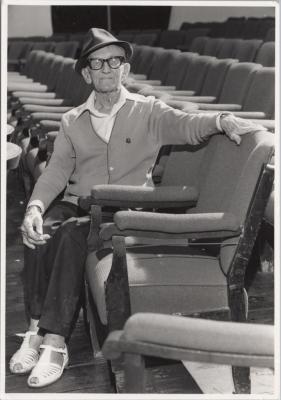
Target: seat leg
column 238, row 302
column 96, row 341
column 135, row 376
column 241, row 380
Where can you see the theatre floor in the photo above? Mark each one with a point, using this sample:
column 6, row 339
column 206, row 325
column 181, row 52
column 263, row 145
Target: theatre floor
column 86, row 374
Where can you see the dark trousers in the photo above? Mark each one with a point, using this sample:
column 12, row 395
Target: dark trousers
column 54, row 272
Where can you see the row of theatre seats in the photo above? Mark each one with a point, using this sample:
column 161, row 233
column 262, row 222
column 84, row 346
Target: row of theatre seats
column 253, row 31
column 171, row 39
column 189, row 81
column 18, row 50
column 232, row 27
column 221, row 220
column 243, row 49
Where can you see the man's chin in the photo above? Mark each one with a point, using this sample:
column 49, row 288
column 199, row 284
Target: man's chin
column 107, row 90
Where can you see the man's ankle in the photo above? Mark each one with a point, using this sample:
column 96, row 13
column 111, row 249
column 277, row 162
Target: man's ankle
column 54, row 340
column 33, row 325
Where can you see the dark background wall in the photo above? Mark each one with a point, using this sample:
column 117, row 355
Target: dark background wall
column 80, row 18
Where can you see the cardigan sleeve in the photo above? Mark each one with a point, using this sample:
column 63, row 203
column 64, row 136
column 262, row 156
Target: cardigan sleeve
column 56, row 175
column 171, row 126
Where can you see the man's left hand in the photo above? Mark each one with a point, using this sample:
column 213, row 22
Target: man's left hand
column 234, row 127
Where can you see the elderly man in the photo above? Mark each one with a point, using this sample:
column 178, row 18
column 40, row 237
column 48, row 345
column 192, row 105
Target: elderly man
column 113, row 138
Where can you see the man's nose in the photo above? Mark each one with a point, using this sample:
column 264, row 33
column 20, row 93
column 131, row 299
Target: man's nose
column 106, row 68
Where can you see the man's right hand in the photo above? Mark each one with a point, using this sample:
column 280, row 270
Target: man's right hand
column 32, row 228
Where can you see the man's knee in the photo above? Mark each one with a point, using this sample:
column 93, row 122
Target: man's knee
column 73, row 230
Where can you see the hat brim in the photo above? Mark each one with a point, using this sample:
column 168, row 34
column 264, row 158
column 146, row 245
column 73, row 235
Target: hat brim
column 81, row 62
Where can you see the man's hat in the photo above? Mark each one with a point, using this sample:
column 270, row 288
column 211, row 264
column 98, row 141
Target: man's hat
column 97, row 38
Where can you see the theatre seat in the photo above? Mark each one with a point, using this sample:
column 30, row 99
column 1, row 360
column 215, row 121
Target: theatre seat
column 228, row 48
column 188, row 339
column 157, row 73
column 212, row 46
column 192, row 82
column 266, row 54
column 198, row 44
column 67, row 48
column 247, row 49
column 258, row 102
column 211, row 88
column 233, row 188
column 17, row 50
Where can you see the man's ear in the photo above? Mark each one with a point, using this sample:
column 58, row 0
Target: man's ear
column 86, row 75
column 126, row 71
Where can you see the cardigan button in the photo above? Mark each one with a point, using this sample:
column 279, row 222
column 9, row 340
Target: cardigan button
column 128, row 140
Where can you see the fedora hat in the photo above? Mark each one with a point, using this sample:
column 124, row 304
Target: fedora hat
column 95, row 39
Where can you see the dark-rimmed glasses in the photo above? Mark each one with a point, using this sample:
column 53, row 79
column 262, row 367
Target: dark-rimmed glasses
column 112, row 62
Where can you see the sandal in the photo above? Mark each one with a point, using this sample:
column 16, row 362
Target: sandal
column 46, row 372
column 25, row 356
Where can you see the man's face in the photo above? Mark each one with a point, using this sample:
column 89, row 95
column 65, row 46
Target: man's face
column 106, row 79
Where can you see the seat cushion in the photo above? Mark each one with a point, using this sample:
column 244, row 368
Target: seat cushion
column 163, row 279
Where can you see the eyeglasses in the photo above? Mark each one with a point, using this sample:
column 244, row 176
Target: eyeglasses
column 112, row 62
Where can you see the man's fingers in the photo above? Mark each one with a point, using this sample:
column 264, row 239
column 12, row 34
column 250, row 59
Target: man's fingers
column 26, row 243
column 38, row 241
column 45, row 236
column 38, row 225
column 31, row 234
column 233, row 136
column 32, row 229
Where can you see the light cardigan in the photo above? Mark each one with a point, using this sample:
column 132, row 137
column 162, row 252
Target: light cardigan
column 81, row 159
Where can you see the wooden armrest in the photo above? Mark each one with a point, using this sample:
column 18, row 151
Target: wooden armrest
column 177, row 223
column 38, row 116
column 195, row 99
column 171, row 226
column 267, row 123
column 219, row 107
column 163, row 87
column 137, row 76
column 45, row 109
column 26, row 87
column 49, row 125
column 250, row 114
column 37, row 95
column 193, row 339
column 180, row 93
column 186, row 106
column 19, row 79
column 126, row 196
column 45, row 101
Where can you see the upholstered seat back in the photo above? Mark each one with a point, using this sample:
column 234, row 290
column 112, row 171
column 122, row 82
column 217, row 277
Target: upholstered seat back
column 187, row 160
column 237, row 81
column 55, row 72
column 197, row 71
column 147, row 57
column 178, row 68
column 215, row 77
column 164, row 58
column 32, row 63
column 260, row 96
column 228, row 177
column 64, row 87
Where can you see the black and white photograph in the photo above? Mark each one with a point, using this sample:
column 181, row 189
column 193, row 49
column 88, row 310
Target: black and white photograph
column 140, row 194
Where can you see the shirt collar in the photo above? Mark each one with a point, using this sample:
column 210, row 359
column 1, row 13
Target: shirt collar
column 89, row 105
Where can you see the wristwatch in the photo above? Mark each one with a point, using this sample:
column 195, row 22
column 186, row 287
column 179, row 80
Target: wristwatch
column 219, row 118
